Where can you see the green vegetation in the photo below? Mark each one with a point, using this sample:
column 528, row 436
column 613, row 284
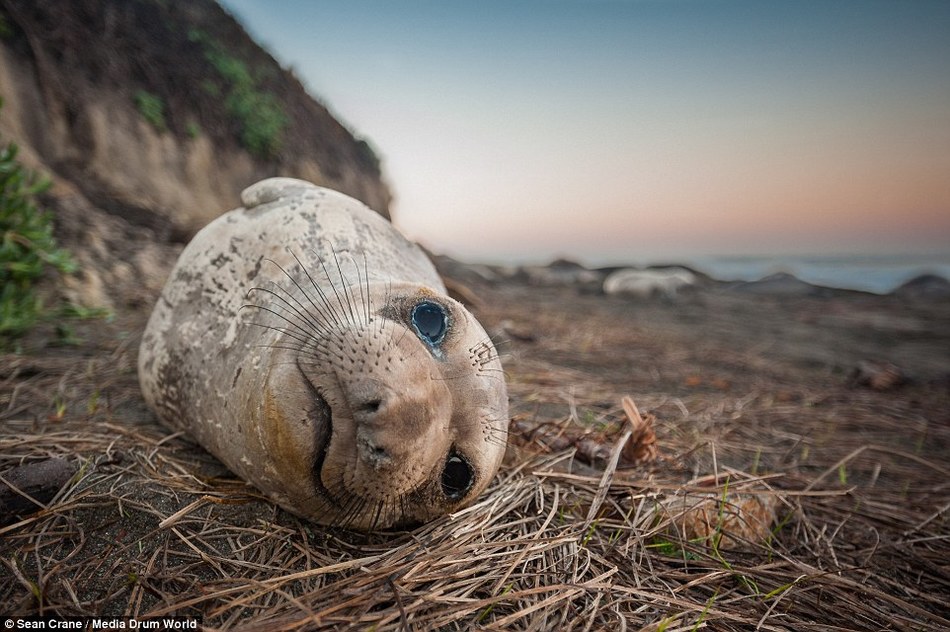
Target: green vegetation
column 487, row 611
column 27, row 247
column 259, row 114
column 211, row 88
column 6, row 28
column 151, row 109
column 193, row 130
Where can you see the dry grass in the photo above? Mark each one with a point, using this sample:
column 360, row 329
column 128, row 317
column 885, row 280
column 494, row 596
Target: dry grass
column 756, row 516
column 536, row 552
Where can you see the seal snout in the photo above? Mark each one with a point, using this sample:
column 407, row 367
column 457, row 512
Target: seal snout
column 370, row 418
column 395, row 427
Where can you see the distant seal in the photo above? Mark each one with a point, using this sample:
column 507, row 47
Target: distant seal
column 667, row 283
column 310, row 347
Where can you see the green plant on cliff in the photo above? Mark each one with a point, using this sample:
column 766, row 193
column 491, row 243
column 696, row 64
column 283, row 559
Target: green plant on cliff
column 27, row 247
column 151, row 109
column 193, row 130
column 257, row 112
column 5, row 30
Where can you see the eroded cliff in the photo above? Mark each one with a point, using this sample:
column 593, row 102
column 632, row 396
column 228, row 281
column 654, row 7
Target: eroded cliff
column 151, row 117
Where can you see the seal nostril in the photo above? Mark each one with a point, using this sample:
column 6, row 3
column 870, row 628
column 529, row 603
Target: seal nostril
column 371, row 406
column 457, row 477
column 373, row 454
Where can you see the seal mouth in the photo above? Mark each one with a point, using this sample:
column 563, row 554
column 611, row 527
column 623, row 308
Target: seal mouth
column 321, row 438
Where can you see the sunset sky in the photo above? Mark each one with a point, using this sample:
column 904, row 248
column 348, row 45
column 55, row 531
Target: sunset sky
column 639, row 130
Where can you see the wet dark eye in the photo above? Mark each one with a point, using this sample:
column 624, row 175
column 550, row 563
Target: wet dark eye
column 429, row 321
column 457, row 477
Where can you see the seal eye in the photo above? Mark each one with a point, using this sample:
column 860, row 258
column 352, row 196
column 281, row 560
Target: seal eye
column 429, row 321
column 457, row 477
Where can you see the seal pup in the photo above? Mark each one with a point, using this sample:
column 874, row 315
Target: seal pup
column 310, row 347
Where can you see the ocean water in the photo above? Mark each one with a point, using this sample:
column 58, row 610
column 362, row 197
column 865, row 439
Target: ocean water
column 878, row 274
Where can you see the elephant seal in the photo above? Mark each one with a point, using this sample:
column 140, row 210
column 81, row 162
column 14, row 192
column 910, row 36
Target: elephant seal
column 310, row 347
column 666, row 283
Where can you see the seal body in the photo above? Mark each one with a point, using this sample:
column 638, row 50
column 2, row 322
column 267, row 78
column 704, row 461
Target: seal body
column 667, row 283
column 313, row 349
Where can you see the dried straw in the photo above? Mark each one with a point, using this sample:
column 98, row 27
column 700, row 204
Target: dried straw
column 755, row 517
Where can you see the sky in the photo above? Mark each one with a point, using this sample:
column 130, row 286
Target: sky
column 639, row 131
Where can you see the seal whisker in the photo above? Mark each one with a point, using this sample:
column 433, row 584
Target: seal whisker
column 336, row 293
column 294, row 281
column 402, row 336
column 347, row 292
column 324, row 299
column 377, row 513
column 497, row 433
column 496, row 441
column 500, row 442
column 362, row 311
column 501, row 343
column 492, row 374
column 366, row 298
column 485, row 349
column 296, row 330
column 388, row 301
column 315, row 325
column 299, row 349
column 311, row 360
column 482, row 371
column 296, row 336
column 496, row 436
column 377, row 508
column 354, row 508
column 362, row 314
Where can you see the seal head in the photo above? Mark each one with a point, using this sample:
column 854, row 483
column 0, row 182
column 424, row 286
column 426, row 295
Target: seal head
column 347, row 386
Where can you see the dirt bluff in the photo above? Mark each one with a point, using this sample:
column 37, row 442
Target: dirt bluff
column 150, row 118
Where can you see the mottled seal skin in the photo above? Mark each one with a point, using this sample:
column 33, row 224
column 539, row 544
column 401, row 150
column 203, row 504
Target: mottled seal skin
column 310, row 347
